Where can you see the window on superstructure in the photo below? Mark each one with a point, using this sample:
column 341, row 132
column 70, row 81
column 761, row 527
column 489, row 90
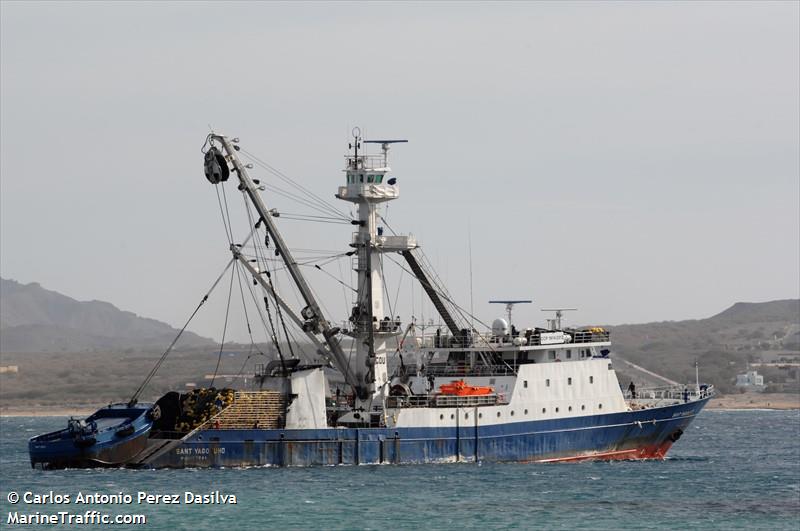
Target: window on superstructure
column 498, row 413
column 551, row 354
column 569, row 354
column 583, row 408
column 361, row 177
column 600, row 406
column 569, row 381
column 526, row 411
column 556, row 410
column 570, row 408
column 547, row 382
column 591, row 379
column 370, row 178
column 512, row 413
column 525, row 383
column 378, row 179
column 544, row 410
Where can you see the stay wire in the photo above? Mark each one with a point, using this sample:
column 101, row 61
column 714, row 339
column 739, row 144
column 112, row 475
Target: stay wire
column 291, row 182
column 163, row 357
column 224, row 330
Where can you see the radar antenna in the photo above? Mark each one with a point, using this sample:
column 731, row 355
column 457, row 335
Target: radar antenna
column 510, row 306
column 555, row 324
column 385, row 147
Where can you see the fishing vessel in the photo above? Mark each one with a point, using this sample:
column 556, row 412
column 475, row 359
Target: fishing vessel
column 381, row 389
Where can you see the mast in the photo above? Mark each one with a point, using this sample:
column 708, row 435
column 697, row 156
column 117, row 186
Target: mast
column 367, row 186
column 314, row 320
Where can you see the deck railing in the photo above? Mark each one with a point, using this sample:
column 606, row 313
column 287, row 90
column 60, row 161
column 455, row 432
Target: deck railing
column 672, row 392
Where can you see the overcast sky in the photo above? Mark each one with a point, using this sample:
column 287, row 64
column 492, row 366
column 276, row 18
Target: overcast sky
column 638, row 161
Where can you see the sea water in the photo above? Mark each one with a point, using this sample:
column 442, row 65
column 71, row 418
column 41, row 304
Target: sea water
column 730, row 470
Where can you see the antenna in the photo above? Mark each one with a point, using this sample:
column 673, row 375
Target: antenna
column 510, row 306
column 356, row 132
column 385, row 147
column 555, row 324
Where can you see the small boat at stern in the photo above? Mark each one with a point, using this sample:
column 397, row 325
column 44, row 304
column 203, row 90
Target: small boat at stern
column 109, row 437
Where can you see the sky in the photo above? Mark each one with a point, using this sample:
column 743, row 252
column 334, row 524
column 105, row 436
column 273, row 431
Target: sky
column 637, row 161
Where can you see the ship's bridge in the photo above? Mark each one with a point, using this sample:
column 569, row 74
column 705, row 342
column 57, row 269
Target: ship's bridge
column 368, row 180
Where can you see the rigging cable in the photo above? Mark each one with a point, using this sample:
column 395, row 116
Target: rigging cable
column 224, row 330
column 323, row 204
column 163, row 357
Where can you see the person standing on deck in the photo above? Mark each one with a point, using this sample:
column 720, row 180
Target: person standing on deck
column 632, row 389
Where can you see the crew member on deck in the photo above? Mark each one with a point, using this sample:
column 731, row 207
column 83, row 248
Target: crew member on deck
column 632, row 389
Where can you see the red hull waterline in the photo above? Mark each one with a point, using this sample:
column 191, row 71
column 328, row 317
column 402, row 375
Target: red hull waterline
column 647, row 452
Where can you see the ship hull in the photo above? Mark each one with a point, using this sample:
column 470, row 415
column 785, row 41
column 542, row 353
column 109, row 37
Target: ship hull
column 123, row 435
column 642, row 434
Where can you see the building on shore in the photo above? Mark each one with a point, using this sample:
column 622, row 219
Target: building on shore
column 750, row 381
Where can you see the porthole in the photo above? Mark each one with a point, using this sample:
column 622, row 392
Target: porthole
column 466, row 416
column 480, row 415
column 556, row 410
column 452, row 417
column 526, row 411
column 570, row 408
column 569, row 381
column 498, row 413
column 547, row 382
column 544, row 410
column 583, row 407
column 525, row 383
column 600, row 406
column 512, row 413
column 591, row 379
column 441, row 417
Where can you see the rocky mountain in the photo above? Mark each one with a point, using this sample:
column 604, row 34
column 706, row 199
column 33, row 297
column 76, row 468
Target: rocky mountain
column 34, row 319
column 722, row 344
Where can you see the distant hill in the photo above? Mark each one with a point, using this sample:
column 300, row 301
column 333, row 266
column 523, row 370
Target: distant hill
column 34, row 319
column 722, row 344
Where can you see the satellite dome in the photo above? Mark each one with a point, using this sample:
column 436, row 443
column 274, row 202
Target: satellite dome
column 500, row 327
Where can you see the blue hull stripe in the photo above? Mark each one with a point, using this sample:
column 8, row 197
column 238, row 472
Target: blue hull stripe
column 565, row 438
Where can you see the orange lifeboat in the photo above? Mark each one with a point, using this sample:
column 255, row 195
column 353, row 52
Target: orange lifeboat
column 460, row 388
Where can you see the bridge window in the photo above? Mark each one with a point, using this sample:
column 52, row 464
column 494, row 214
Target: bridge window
column 361, row 177
column 569, row 381
column 569, row 354
column 378, row 179
column 370, row 178
column 551, row 354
